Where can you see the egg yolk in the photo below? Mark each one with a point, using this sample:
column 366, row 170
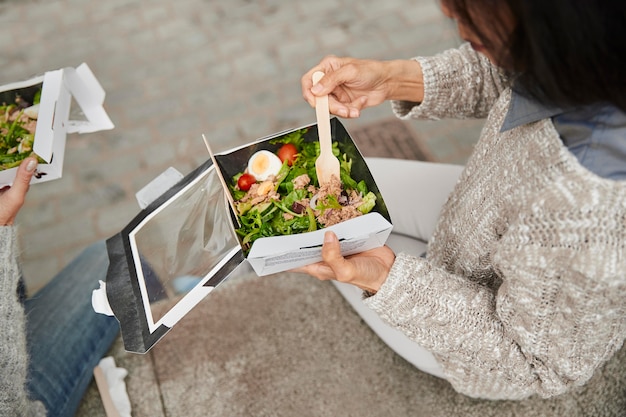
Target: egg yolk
column 260, row 164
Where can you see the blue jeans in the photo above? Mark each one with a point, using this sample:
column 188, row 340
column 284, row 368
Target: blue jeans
column 66, row 338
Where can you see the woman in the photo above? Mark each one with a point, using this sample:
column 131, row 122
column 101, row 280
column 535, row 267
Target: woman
column 47, row 361
column 523, row 288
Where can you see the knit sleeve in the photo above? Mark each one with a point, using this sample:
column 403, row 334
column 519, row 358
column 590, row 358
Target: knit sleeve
column 458, row 83
column 456, row 320
column 13, row 354
column 558, row 315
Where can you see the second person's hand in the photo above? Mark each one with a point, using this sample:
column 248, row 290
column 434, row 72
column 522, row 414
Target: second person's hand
column 12, row 198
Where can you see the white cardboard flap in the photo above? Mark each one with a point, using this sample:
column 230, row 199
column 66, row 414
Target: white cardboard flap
column 95, row 89
column 280, row 253
column 89, row 95
column 21, row 84
column 155, row 188
column 99, row 300
column 50, row 127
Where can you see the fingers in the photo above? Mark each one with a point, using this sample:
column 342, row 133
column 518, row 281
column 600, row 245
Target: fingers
column 306, row 82
column 319, row 270
column 24, row 175
column 331, row 260
column 343, row 82
column 339, row 101
column 335, row 266
column 13, row 198
column 329, row 65
column 331, row 252
column 367, row 270
column 349, row 111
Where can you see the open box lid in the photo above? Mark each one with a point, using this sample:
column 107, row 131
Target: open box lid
column 183, row 239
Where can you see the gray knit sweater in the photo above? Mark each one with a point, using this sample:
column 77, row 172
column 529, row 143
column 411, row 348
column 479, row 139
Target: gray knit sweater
column 13, row 355
column 524, row 288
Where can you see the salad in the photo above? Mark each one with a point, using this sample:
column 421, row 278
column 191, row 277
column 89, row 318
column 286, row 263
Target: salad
column 18, row 121
column 278, row 193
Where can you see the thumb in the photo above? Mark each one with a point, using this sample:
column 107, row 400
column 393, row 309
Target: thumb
column 24, row 175
column 331, row 250
column 324, row 86
column 12, row 199
column 17, row 193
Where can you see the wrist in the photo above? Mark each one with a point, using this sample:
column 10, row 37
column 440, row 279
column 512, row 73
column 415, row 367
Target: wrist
column 406, row 81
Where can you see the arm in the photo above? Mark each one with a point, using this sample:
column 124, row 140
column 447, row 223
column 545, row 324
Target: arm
column 13, row 353
column 354, row 84
column 458, row 83
column 558, row 315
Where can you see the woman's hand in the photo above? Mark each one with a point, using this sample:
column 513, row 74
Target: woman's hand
column 354, row 84
column 12, row 198
column 367, row 270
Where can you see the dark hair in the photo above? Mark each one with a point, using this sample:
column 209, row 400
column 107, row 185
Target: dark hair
column 565, row 53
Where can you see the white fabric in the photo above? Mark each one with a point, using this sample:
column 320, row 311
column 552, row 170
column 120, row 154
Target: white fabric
column 414, row 193
column 117, row 387
column 100, row 301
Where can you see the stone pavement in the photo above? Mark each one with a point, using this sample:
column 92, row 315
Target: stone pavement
column 174, row 70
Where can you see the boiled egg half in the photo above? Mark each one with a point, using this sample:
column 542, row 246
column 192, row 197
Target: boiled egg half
column 263, row 164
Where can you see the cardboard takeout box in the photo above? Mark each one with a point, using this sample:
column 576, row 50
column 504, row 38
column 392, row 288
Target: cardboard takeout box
column 183, row 244
column 57, row 88
column 269, row 255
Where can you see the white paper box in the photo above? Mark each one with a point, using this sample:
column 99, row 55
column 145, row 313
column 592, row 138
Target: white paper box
column 53, row 124
column 269, row 255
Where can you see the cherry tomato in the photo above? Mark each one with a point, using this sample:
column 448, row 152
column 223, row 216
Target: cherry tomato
column 287, row 152
column 245, row 181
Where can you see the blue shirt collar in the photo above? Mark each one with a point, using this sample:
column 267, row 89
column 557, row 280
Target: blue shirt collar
column 523, row 110
column 594, row 134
